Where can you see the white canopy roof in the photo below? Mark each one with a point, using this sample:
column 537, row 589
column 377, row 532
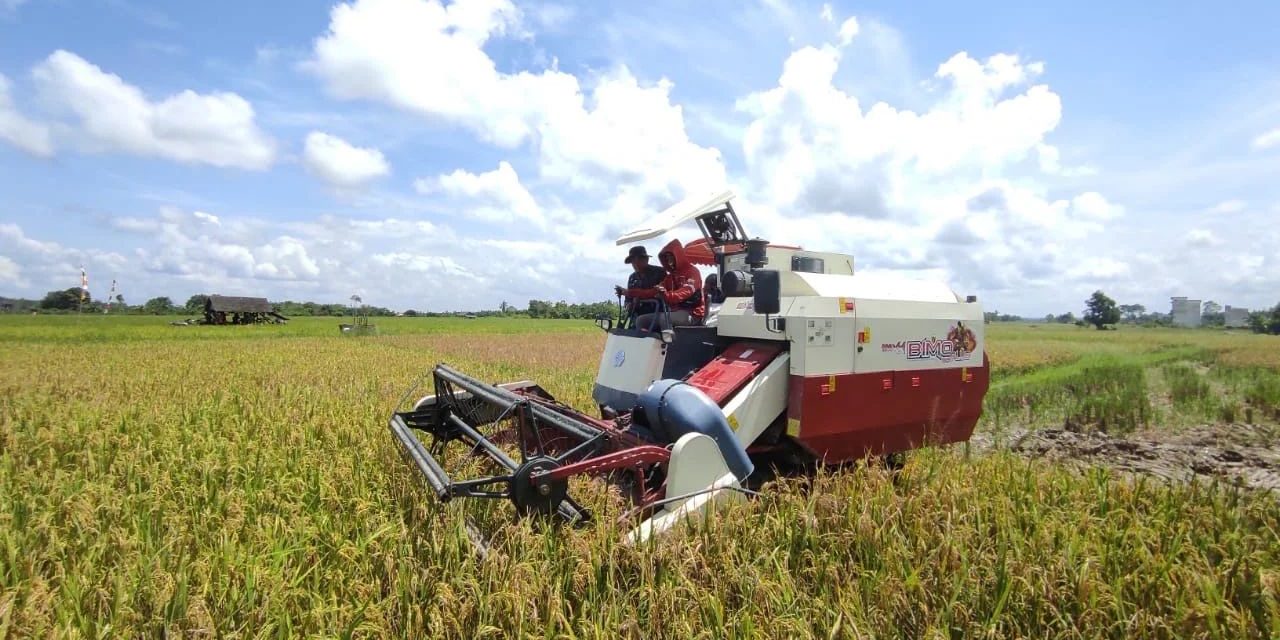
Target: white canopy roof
column 875, row 286
column 676, row 215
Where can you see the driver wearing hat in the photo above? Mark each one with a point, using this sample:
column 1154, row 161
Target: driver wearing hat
column 643, row 276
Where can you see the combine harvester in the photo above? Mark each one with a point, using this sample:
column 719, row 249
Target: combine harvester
column 808, row 361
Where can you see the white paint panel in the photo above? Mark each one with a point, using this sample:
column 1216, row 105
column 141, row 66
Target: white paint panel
column 822, row 333
column 696, row 465
column 826, row 344
column 877, row 286
column 918, row 336
column 721, row 492
column 738, row 319
column 676, row 215
column 757, row 405
column 639, row 364
column 821, row 336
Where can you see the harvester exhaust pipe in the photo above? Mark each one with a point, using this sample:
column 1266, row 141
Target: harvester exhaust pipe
column 757, row 253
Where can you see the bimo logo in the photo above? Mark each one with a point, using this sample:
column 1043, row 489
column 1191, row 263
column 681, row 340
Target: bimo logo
column 959, row 344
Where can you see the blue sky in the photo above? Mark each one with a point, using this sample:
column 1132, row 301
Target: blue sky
column 454, row 156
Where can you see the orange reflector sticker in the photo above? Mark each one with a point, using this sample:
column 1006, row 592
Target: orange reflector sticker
column 828, row 388
column 793, row 427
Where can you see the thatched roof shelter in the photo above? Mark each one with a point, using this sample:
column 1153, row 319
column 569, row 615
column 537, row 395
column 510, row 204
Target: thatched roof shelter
column 234, row 304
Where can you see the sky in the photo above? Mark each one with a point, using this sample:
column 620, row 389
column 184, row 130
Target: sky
column 453, row 156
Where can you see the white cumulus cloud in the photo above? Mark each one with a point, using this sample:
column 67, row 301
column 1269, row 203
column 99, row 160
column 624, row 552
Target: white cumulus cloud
column 443, row 266
column 10, row 272
column 112, row 115
column 1268, row 139
column 949, row 191
column 37, row 266
column 1202, row 238
column 429, row 59
column 422, row 56
column 962, row 175
column 1093, row 206
column 26, row 134
column 341, row 164
column 284, row 258
column 499, row 193
column 1228, row 206
column 202, row 246
column 848, row 31
column 814, row 146
column 1100, row 269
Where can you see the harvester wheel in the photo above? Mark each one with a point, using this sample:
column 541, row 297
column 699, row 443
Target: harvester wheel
column 540, row 495
column 895, row 461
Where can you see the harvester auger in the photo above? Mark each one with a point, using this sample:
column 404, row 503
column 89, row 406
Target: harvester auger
column 788, row 369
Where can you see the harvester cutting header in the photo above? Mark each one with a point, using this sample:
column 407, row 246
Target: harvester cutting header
column 807, row 361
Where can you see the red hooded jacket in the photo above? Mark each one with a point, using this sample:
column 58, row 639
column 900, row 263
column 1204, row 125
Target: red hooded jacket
column 683, row 283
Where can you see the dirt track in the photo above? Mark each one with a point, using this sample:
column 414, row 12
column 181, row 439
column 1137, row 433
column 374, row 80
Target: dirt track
column 1247, row 455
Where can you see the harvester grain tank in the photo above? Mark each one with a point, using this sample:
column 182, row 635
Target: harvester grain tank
column 807, row 360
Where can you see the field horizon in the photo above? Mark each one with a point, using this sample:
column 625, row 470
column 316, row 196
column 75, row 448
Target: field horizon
column 241, row 481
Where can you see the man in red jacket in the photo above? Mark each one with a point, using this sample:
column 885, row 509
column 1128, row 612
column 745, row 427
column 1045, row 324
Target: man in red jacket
column 681, row 289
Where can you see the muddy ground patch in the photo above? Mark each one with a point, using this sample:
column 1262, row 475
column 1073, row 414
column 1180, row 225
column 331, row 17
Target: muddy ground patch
column 1246, row 455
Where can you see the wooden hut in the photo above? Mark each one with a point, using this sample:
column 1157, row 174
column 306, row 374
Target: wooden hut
column 240, row 310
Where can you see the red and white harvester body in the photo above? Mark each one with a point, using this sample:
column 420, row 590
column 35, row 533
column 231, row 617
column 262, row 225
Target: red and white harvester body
column 806, row 360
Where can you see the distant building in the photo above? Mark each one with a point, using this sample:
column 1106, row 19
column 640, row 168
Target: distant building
column 1236, row 317
column 1185, row 313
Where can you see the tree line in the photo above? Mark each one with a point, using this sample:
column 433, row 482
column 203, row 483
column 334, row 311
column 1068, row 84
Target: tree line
column 536, row 309
column 68, row 301
column 561, row 309
column 1101, row 310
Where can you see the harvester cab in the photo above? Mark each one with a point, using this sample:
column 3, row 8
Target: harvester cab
column 807, row 359
column 636, row 356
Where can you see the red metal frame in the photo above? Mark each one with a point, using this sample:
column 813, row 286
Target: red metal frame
column 623, row 452
column 632, row 458
column 733, row 369
column 845, row 417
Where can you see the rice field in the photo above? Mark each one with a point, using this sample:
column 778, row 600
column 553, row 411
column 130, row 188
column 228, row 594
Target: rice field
column 161, row 481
